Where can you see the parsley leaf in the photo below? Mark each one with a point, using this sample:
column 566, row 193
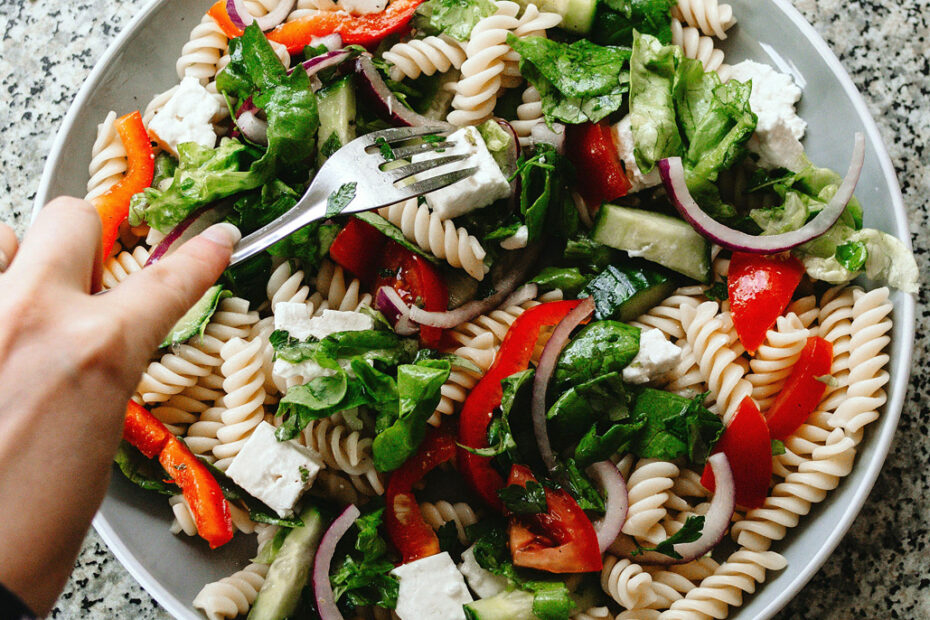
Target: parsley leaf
column 717, row 291
column 778, row 447
column 689, row 532
column 530, row 499
column 386, row 151
column 340, row 199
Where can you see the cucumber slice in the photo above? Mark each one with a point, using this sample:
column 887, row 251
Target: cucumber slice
column 624, row 293
column 197, row 317
column 577, row 15
column 662, row 239
column 513, row 605
column 336, row 104
column 290, row 571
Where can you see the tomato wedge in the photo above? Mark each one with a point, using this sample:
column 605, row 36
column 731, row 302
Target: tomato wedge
column 407, row 528
column 513, row 356
column 591, row 148
column 417, row 282
column 748, row 447
column 760, row 288
column 356, row 249
column 561, row 540
column 803, row 389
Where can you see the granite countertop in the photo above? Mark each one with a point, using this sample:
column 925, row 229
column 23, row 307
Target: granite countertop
column 880, row 569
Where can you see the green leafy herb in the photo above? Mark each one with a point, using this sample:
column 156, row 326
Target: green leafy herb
column 569, row 476
column 674, row 426
column 165, row 167
column 543, row 175
column 249, row 278
column 616, row 20
column 457, row 18
column 449, row 542
column 267, row 516
column 599, row 348
column 689, row 532
column 304, row 473
column 363, row 578
column 578, row 409
column 778, row 447
column 393, row 233
column 578, row 82
column 340, row 199
column 717, row 291
column 330, row 145
column 386, row 151
column 616, row 439
column 269, row 551
column 530, row 499
column 143, row 472
column 567, row 279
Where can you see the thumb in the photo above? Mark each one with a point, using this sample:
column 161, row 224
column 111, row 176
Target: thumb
column 155, row 298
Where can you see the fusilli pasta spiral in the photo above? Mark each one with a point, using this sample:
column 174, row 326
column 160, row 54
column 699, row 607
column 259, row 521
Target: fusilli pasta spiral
column 529, row 114
column 532, row 23
column 232, row 596
column 108, row 160
column 648, row 487
column 626, row 582
column 439, row 513
column 441, row 238
column 331, row 284
column 118, row 268
column 775, row 358
column 245, row 396
column 202, row 52
column 711, row 18
column 345, row 450
column 175, row 371
column 699, row 47
column 305, row 8
column 427, row 56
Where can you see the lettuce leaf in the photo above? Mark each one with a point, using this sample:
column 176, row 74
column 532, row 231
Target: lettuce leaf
column 616, row 20
column 457, row 18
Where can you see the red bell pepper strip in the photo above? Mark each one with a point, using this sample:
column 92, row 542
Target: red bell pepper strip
column 113, row 206
column 748, row 447
column 201, row 490
column 411, row 534
column 417, row 282
column 356, row 249
column 760, row 288
column 561, row 540
column 513, row 356
column 591, row 148
column 802, row 391
column 366, row 30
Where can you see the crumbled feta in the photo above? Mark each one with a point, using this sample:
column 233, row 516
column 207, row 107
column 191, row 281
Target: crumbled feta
column 276, row 472
column 779, row 129
column 295, row 319
column 479, row 190
column 623, row 137
column 186, row 117
column 483, row 582
column 656, row 357
column 362, row 7
column 517, row 240
column 431, row 588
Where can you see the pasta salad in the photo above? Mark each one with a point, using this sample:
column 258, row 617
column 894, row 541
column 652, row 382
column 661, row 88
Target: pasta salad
column 600, row 378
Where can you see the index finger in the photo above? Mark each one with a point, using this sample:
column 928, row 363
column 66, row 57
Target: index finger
column 156, row 297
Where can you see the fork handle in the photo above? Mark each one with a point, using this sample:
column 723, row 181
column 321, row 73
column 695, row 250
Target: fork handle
column 310, row 208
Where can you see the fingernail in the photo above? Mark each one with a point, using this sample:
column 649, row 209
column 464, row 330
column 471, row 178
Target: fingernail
column 223, row 234
column 4, row 261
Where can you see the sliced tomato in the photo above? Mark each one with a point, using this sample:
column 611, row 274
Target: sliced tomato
column 357, row 248
column 417, row 282
column 591, row 148
column 748, row 447
column 803, row 389
column 411, row 534
column 513, row 356
column 561, row 540
column 760, row 288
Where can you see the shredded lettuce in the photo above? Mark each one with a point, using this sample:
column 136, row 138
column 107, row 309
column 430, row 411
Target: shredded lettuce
column 455, row 18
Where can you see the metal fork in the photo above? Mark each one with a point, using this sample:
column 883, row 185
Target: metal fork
column 361, row 161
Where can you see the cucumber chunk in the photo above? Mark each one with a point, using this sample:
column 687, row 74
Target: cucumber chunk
column 659, row 238
column 193, row 322
column 624, row 293
column 336, row 104
column 513, row 605
column 290, row 571
column 577, row 15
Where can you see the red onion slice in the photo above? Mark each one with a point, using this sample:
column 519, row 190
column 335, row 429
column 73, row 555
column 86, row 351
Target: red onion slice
column 253, row 128
column 392, row 306
column 191, row 226
column 547, row 361
column 673, row 175
column 388, row 105
column 612, row 483
column 471, row 309
column 322, row 588
column 240, row 16
column 716, row 521
column 323, row 61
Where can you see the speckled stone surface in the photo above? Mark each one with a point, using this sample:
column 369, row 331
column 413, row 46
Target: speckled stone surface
column 880, row 570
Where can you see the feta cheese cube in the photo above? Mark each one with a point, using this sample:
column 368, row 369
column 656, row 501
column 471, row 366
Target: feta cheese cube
column 483, row 582
column 335, row 321
column 779, row 129
column 362, row 7
column 186, row 117
column 431, row 588
column 623, row 137
column 294, row 318
column 656, row 357
column 276, row 472
column 517, row 240
column 479, row 190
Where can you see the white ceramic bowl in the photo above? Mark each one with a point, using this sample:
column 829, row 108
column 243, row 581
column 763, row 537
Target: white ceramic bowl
column 141, row 62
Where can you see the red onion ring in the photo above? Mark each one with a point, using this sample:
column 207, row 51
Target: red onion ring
column 322, row 588
column 582, row 208
column 547, row 361
column 673, row 176
column 194, row 224
column 240, row 16
column 323, row 61
column 387, row 104
column 390, row 303
column 253, row 128
column 716, row 522
column 617, row 505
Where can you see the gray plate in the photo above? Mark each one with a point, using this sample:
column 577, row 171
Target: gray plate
column 141, row 63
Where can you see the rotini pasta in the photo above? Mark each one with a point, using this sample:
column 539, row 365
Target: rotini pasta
column 532, row 23
column 775, row 358
column 337, row 295
column 118, row 268
column 529, row 114
column 699, row 47
column 439, row 513
column 232, row 596
column 648, row 487
column 345, row 450
column 627, row 583
column 711, row 18
column 108, row 160
column 202, row 52
column 245, row 397
column 425, row 56
column 439, row 237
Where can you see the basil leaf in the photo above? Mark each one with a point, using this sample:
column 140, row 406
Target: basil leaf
column 340, row 199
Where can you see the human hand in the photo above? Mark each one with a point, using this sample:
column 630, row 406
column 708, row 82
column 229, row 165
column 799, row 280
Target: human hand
column 69, row 362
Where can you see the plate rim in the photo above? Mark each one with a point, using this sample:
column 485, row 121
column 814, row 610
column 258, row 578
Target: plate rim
column 905, row 326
